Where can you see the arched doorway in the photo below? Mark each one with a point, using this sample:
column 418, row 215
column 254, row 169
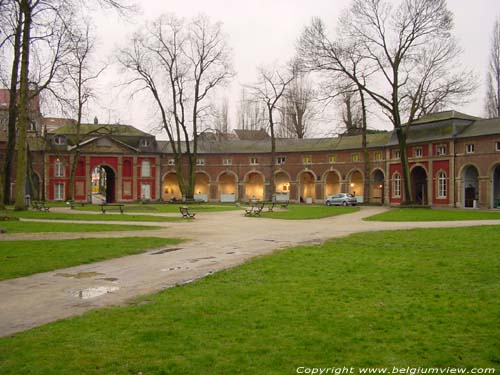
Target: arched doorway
column 495, row 189
column 282, row 186
column 254, row 186
column 103, row 184
column 170, row 188
column 201, row 187
column 332, row 183
column 378, row 186
column 356, row 185
column 470, row 183
column 419, row 185
column 228, row 187
column 307, row 189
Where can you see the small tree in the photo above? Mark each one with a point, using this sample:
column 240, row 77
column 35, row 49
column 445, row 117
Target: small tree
column 269, row 90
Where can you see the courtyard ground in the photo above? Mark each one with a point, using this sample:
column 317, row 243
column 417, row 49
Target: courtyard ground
column 217, row 241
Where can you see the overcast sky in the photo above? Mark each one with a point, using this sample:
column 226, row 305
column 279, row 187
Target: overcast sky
column 265, row 31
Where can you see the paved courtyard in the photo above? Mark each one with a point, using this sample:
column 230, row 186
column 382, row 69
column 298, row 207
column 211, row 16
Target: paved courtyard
column 216, row 241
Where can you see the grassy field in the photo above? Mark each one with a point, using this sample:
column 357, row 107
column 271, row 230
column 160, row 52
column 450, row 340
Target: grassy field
column 167, row 208
column 423, row 214
column 22, row 258
column 87, row 217
column 307, row 212
column 42, row 227
column 428, row 298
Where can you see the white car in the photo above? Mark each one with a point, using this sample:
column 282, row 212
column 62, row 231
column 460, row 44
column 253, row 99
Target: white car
column 342, row 199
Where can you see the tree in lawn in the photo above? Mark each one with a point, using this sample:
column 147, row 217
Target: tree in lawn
column 179, row 63
column 409, row 52
column 12, row 21
column 44, row 22
column 270, row 88
column 493, row 77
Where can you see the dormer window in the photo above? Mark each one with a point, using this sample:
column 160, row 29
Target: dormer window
column 32, row 126
column 145, row 142
column 59, row 140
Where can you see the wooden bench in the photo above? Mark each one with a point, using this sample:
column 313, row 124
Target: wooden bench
column 271, row 207
column 104, row 206
column 254, row 210
column 184, row 210
column 40, row 206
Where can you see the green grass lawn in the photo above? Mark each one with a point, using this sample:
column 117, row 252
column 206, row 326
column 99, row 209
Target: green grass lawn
column 37, row 227
column 87, row 217
column 306, row 212
column 167, row 208
column 22, row 258
column 423, row 214
column 428, row 298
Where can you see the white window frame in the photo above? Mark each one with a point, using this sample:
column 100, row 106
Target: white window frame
column 378, row 155
column 332, row 159
column 171, row 162
column 497, row 146
column 254, row 161
column 441, row 150
column 227, row 161
column 281, row 160
column 308, row 159
column 145, row 142
column 355, row 156
column 59, row 140
column 397, row 154
column 470, row 148
column 418, row 152
column 396, row 185
column 59, row 170
column 59, row 191
column 145, row 168
column 148, row 185
column 200, row 162
column 442, row 185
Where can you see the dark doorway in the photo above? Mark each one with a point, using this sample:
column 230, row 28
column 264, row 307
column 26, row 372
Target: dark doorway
column 103, row 185
column 496, row 187
column 419, row 185
column 471, row 185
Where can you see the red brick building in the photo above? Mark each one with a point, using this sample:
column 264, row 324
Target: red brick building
column 454, row 160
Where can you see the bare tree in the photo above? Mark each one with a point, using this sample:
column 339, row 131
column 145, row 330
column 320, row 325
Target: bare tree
column 251, row 112
column 493, row 77
column 270, row 88
column 78, row 75
column 221, row 119
column 408, row 48
column 179, row 63
column 298, row 109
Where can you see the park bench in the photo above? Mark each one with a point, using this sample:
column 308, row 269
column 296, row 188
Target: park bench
column 73, row 204
column 271, row 207
column 40, row 206
column 284, row 204
column 184, row 210
column 105, row 206
column 254, row 210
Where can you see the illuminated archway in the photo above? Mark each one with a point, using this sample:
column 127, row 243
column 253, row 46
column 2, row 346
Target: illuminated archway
column 254, row 186
column 307, row 189
column 170, row 188
column 332, row 183
column 356, row 181
column 227, row 186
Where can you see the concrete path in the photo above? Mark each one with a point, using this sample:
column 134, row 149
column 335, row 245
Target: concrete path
column 216, row 241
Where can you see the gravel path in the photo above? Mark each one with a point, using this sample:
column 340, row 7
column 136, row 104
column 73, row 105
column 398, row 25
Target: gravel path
column 217, row 241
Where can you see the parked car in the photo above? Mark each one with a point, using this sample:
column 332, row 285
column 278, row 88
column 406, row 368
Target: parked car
column 342, row 199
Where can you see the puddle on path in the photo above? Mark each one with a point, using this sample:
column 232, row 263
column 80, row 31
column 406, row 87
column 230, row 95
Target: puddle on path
column 80, row 275
column 163, row 251
column 95, row 292
column 112, row 279
column 198, row 259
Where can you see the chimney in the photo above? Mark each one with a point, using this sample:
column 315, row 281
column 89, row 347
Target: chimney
column 96, row 120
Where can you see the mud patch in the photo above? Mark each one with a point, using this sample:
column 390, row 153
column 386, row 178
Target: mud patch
column 112, row 279
column 198, row 259
column 80, row 275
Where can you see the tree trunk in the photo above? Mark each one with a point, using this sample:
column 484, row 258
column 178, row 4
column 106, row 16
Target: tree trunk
column 24, row 109
column 405, row 169
column 11, row 140
column 272, row 187
column 366, row 154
